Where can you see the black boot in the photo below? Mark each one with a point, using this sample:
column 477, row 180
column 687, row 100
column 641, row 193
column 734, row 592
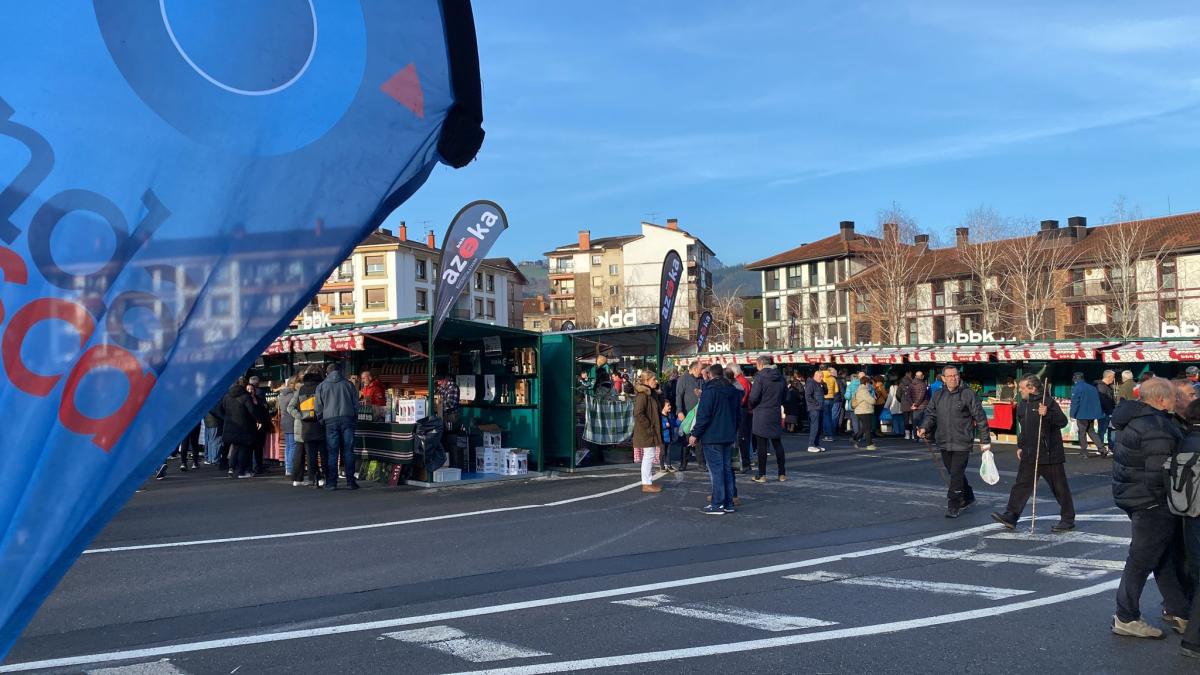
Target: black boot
column 1006, row 519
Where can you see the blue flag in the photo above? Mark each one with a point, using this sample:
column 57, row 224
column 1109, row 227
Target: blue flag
column 176, row 181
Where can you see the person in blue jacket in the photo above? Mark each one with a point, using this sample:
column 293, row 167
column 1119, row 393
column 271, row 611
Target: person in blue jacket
column 1085, row 410
column 715, row 430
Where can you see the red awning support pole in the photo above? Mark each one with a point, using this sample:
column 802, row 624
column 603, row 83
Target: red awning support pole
column 393, row 344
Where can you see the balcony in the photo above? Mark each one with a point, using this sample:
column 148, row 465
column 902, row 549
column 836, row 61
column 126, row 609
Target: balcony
column 562, row 295
column 344, row 310
column 1079, row 331
column 1094, row 289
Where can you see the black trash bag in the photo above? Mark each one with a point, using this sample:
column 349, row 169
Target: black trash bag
column 427, row 443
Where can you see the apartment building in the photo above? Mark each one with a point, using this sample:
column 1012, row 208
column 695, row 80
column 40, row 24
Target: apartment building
column 802, row 303
column 613, row 281
column 389, row 276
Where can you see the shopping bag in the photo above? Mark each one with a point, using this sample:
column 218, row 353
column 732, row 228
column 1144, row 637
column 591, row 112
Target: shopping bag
column 987, row 469
column 689, row 420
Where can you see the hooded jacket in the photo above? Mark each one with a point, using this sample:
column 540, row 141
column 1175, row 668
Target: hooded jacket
column 766, row 396
column 647, row 417
column 718, row 413
column 956, row 418
column 336, row 397
column 1146, row 438
column 240, row 427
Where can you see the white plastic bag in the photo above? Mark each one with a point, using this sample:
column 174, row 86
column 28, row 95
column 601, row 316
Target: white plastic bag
column 987, row 469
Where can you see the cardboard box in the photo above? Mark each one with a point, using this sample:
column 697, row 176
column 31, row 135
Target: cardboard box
column 516, row 461
column 446, row 475
column 490, row 460
column 491, row 435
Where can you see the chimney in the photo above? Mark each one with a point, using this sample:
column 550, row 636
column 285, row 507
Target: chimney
column 921, row 241
column 846, row 228
column 961, row 236
column 891, row 231
column 403, row 232
column 1049, row 225
column 672, row 223
column 585, row 240
column 430, row 239
column 1078, row 225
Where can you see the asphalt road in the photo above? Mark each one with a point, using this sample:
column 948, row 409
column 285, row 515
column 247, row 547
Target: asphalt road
column 849, row 566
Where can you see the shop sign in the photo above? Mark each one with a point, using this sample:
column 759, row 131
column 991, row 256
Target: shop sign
column 827, row 342
column 717, row 347
column 972, row 337
column 1170, row 330
column 618, row 319
column 311, row 320
column 344, row 343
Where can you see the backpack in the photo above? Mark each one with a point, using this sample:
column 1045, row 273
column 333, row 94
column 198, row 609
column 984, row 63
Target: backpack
column 307, row 403
column 1183, row 484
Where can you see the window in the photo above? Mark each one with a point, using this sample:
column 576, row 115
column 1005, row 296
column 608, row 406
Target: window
column 831, row 303
column 1168, row 311
column 537, row 324
column 479, row 281
column 939, row 294
column 346, row 270
column 972, row 322
column 491, row 283
column 794, row 276
column 912, row 331
column 772, row 277
column 376, row 267
column 437, row 270
column 597, row 282
column 862, row 332
column 757, row 313
column 614, row 290
column 491, row 309
column 346, row 302
column 831, row 271
column 597, row 302
column 595, row 261
column 422, row 300
column 1078, row 314
column 325, row 300
column 421, row 271
column 1166, row 275
column 478, row 306
column 939, row 329
column 220, row 305
column 813, row 306
column 772, row 305
column 612, row 270
column 813, row 278
column 793, row 306
column 773, row 338
column 860, row 304
column 376, row 298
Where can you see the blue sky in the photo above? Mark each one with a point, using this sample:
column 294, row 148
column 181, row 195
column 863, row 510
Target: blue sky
column 760, row 125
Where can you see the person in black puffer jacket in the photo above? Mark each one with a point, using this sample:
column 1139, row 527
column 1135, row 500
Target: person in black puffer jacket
column 767, row 394
column 312, row 430
column 240, row 429
column 1147, row 436
column 1041, row 420
column 1190, row 646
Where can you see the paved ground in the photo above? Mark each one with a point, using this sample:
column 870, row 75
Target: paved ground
column 848, row 567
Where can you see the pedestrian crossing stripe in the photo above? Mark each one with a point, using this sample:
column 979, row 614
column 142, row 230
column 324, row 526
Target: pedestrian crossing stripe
column 989, row 592
column 456, row 643
column 725, row 614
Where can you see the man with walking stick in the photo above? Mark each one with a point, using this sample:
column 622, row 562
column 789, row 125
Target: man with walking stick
column 954, row 417
column 1040, row 451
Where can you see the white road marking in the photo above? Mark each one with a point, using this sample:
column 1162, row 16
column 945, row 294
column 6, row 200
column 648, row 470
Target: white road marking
column 989, row 592
column 372, row 526
column 713, row 612
column 460, row 645
column 162, row 667
column 281, row 636
column 797, row 639
column 1064, row 537
column 1082, row 569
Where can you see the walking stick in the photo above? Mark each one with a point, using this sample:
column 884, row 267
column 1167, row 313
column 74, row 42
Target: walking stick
column 941, row 469
column 1037, row 455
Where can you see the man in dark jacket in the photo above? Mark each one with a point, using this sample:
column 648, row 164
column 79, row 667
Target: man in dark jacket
column 1106, row 387
column 1086, row 410
column 814, row 398
column 686, row 395
column 954, row 418
column 766, row 401
column 240, row 430
column 905, row 418
column 1041, row 420
column 337, row 406
column 1147, row 436
column 1190, row 645
column 715, row 430
column 914, row 404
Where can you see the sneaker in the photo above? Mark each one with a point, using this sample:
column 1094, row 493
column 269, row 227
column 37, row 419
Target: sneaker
column 783, row 478
column 815, row 449
column 296, row 483
column 1176, row 623
column 711, row 510
column 759, row 479
column 1005, row 519
column 727, row 509
column 952, row 512
column 1137, row 629
column 669, row 468
column 1061, row 526
column 161, row 473
column 321, row 483
column 970, row 502
column 245, row 475
column 872, row 447
column 183, row 467
column 196, row 466
column 1189, row 649
column 658, row 488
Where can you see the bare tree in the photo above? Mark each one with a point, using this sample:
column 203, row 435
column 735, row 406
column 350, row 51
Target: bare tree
column 1031, row 277
column 727, row 311
column 982, row 253
column 895, row 264
column 1127, row 244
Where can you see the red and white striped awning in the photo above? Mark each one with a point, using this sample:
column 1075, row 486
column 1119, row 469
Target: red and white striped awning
column 953, row 354
column 879, row 356
column 1052, row 351
column 1148, row 352
column 333, row 340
